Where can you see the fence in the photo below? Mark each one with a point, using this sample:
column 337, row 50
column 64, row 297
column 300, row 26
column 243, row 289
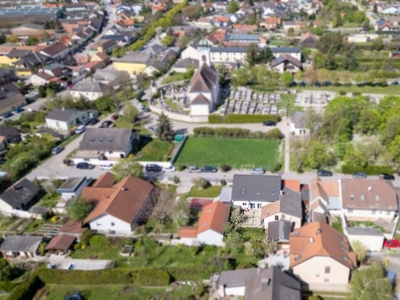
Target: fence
column 179, row 117
column 179, row 150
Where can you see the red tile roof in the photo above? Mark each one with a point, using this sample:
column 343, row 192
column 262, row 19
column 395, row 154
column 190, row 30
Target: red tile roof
column 61, row 242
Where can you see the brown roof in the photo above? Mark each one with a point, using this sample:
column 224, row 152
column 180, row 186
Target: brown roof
column 203, row 79
column 105, row 180
column 319, row 239
column 272, row 21
column 102, row 56
column 324, row 189
column 187, row 232
column 54, row 49
column 44, row 75
column 368, row 194
column 125, row 201
column 213, row 217
column 307, row 35
column 200, row 99
column 292, row 184
column 270, row 209
column 286, row 58
column 72, row 227
column 61, row 242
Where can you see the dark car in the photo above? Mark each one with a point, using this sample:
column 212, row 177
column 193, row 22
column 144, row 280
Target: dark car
column 2, row 160
column 153, row 168
column 302, row 84
column 395, row 83
column 106, row 124
column 92, row 122
column 84, row 166
column 326, row 83
column 209, row 169
column 317, row 84
column 293, row 84
column 57, row 150
column 68, row 162
column 269, row 123
column 359, row 175
column 387, row 176
column 324, row 173
column 146, row 109
column 114, row 117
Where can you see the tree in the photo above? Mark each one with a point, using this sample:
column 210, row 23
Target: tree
column 271, row 246
column 127, row 167
column 45, row 35
column 330, row 42
column 79, row 209
column 252, row 54
column 2, row 38
column 370, row 283
column 318, row 155
column 354, row 156
column 350, row 61
column 377, row 44
column 5, row 270
column 130, row 113
column 168, row 41
column 31, row 41
column 192, row 12
column 164, row 130
column 286, row 79
column 266, row 55
column 360, row 250
column 200, row 183
column 366, row 26
column 104, row 104
column 232, row 7
column 237, row 218
column 181, row 212
column 299, row 150
column 240, row 77
column 291, row 32
column 85, row 237
column 12, row 39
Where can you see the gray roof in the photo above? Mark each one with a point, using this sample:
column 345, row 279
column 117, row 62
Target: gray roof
column 261, row 188
column 273, row 284
column 291, row 203
column 274, row 50
column 21, row 194
column 106, row 139
column 236, row 278
column 279, row 230
column 226, row 194
column 71, row 184
column 89, row 86
column 21, row 243
column 61, row 114
column 136, row 57
column 187, row 62
column 364, row 231
column 106, row 74
column 299, row 120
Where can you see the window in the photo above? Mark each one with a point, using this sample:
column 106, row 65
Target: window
column 351, row 197
column 244, row 204
column 276, row 218
column 273, row 191
column 110, row 152
column 327, row 270
column 258, row 205
column 258, row 192
column 373, row 212
column 350, row 210
column 112, row 224
column 316, row 275
column 388, row 212
column 326, row 280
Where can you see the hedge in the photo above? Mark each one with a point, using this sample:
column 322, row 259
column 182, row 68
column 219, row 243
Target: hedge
column 370, row 170
column 191, row 273
column 27, row 289
column 6, row 286
column 143, row 277
column 239, row 119
column 226, row 132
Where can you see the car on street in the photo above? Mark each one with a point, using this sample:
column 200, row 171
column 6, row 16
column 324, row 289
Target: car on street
column 257, row 171
column 153, row 128
column 193, row 169
column 68, row 162
column 153, row 168
column 114, row 117
column 387, row 176
column 140, row 105
column 92, row 122
column 84, row 166
column 146, row 109
column 391, row 244
column 169, row 169
column 18, row 110
column 269, row 123
column 360, row 175
column 106, row 166
column 105, row 124
column 209, row 169
column 80, row 129
column 324, row 173
column 57, row 150
column 395, row 83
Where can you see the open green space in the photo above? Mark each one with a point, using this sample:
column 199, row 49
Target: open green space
column 367, row 224
column 210, row 192
column 116, row 292
column 236, row 153
column 390, row 90
column 155, row 150
column 174, row 78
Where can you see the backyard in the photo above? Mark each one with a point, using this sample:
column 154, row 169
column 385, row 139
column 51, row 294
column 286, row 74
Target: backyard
column 236, row 153
column 154, row 150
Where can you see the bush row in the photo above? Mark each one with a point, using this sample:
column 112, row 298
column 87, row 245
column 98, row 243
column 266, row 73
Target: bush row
column 190, row 273
column 27, row 289
column 274, row 134
column 238, row 119
column 6, row 286
column 143, row 277
column 370, row 170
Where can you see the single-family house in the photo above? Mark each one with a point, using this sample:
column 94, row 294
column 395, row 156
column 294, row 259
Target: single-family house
column 56, row 51
column 12, row 135
column 20, row 245
column 72, row 187
column 233, row 283
column 7, row 76
column 325, row 197
column 41, row 78
column 92, row 66
column 383, row 25
column 295, row 25
column 182, row 65
column 299, row 124
column 60, row 243
column 110, row 144
column 65, row 119
column 19, row 198
column 106, row 76
column 133, row 62
column 320, row 255
column 210, row 228
column 244, row 29
column 190, row 52
column 255, row 191
column 308, row 40
column 89, row 89
column 286, row 63
column 104, row 46
column 271, row 23
column 30, row 63
column 101, row 57
column 11, row 98
column 118, row 207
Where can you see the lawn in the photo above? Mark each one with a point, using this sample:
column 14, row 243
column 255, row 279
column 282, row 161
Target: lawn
column 367, row 224
column 115, row 292
column 49, row 200
column 236, row 153
column 210, row 192
column 391, row 89
column 174, row 78
column 155, row 150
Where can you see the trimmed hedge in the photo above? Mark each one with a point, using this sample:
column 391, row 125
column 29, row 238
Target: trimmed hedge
column 26, row 290
column 239, row 119
column 274, row 134
column 143, row 277
column 370, row 170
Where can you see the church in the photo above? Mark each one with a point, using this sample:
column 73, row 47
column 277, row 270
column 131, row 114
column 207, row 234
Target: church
column 204, row 85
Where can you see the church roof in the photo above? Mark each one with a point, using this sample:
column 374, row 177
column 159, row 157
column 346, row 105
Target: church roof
column 200, row 99
column 204, row 79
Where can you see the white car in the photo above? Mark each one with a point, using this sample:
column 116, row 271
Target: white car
column 80, row 129
column 106, row 167
column 257, row 171
column 169, row 169
column 140, row 105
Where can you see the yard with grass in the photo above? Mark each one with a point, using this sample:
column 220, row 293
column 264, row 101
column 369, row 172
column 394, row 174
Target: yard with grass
column 210, row 192
column 391, row 89
column 366, row 224
column 174, row 78
column 236, row 153
column 154, row 150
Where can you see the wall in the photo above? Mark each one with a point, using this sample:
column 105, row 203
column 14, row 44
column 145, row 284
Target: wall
column 200, row 110
column 211, row 237
column 103, row 224
column 286, row 217
column 129, row 67
column 373, row 243
column 179, row 117
column 368, row 214
column 231, row 291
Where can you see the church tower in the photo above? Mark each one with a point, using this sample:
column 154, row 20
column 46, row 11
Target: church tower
column 203, row 51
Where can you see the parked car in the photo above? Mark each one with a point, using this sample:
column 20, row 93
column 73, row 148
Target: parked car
column 395, row 83
column 209, row 169
column 391, row 244
column 57, row 150
column 106, row 167
column 153, row 168
column 114, row 117
column 105, row 124
column 92, row 122
column 153, row 128
column 2, row 160
column 18, row 110
column 84, row 166
column 269, row 123
column 80, row 129
column 140, row 105
column 146, row 109
column 169, row 169
column 193, row 169
column 387, row 176
column 257, row 171
column 324, row 173
column 359, row 175
column 68, row 162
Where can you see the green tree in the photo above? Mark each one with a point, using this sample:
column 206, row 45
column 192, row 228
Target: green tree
column 370, row 283
column 354, row 156
column 31, row 41
column 286, row 79
column 104, row 104
column 330, row 42
column 350, row 61
column 79, row 209
column 45, row 35
column 240, row 77
column 252, row 54
column 5, row 270
column 318, row 155
column 360, row 250
column 128, row 167
column 130, row 113
column 232, row 7
column 2, row 38
column 366, row 26
column 85, row 237
column 265, row 55
column 377, row 44
column 164, row 130
column 168, row 41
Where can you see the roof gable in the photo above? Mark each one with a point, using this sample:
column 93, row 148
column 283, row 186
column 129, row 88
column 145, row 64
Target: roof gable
column 262, row 188
column 213, row 217
column 204, row 79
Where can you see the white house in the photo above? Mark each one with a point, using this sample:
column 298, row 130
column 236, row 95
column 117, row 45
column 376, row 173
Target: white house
column 72, row 187
column 89, row 89
column 40, row 78
column 362, row 38
column 118, row 207
column 210, row 228
column 190, row 52
column 371, row 238
column 63, row 119
column 286, row 63
column 298, row 124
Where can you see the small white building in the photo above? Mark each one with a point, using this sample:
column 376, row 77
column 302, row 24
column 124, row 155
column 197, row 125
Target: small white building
column 190, row 52
column 62, row 119
column 298, row 124
column 72, row 187
column 233, row 283
column 371, row 238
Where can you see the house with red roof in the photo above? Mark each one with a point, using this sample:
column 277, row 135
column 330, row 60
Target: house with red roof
column 210, row 228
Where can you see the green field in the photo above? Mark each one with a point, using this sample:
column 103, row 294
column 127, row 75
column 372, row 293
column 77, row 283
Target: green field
column 236, row 153
column 391, row 89
column 155, row 150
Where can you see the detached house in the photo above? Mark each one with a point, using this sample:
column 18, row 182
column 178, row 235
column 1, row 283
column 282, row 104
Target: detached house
column 20, row 245
column 63, row 119
column 89, row 89
column 57, row 51
column 286, row 63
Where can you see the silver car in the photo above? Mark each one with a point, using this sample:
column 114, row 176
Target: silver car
column 257, row 171
column 194, row 170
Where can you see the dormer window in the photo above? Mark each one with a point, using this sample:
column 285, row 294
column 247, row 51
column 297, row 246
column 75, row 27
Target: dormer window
column 258, row 192
column 351, row 197
column 273, row 192
column 243, row 191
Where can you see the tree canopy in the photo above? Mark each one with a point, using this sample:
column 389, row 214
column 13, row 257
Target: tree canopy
column 128, row 167
column 164, row 130
column 80, row 209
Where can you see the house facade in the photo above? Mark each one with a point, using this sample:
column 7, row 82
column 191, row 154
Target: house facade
column 298, row 124
column 62, row 119
column 89, row 89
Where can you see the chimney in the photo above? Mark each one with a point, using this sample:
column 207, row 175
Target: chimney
column 319, row 231
column 370, row 188
column 123, row 189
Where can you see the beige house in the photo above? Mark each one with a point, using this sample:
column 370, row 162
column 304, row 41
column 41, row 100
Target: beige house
column 320, row 255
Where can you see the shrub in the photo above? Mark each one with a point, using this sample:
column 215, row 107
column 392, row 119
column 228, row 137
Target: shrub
column 6, row 286
column 181, row 168
column 273, row 134
column 369, row 170
column 225, row 168
column 356, row 94
column 342, row 93
column 77, row 246
column 201, row 183
column 223, row 182
column 150, row 277
column 239, row 119
column 176, row 179
column 277, row 167
column 85, row 237
column 99, row 241
column 27, row 289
